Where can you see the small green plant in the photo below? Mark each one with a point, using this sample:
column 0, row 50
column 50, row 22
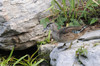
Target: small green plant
column 96, row 44
column 44, row 22
column 81, row 51
column 72, row 14
column 47, row 40
column 93, row 20
column 30, row 61
column 5, row 62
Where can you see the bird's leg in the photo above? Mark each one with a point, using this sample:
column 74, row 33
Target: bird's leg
column 70, row 45
column 62, row 46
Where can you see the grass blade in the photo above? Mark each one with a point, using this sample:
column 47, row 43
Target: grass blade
column 19, row 60
column 38, row 62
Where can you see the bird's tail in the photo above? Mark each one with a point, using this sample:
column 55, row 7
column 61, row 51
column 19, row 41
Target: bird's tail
column 78, row 31
column 83, row 28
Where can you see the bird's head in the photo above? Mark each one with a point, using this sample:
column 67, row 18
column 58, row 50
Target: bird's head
column 51, row 26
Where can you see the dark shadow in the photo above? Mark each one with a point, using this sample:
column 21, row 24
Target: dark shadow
column 19, row 53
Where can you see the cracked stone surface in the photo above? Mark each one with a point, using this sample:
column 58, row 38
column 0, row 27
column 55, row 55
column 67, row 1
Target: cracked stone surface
column 19, row 23
column 67, row 57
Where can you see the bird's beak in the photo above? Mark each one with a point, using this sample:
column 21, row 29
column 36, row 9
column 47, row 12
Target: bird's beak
column 45, row 29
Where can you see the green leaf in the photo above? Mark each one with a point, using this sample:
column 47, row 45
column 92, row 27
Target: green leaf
column 58, row 5
column 49, row 8
column 74, row 22
column 89, row 2
column 60, row 21
column 48, row 38
column 44, row 21
column 10, row 54
column 37, row 63
column 5, row 61
column 64, row 4
column 19, row 60
column 93, row 20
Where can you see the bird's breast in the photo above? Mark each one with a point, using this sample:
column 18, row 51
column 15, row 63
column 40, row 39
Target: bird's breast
column 55, row 36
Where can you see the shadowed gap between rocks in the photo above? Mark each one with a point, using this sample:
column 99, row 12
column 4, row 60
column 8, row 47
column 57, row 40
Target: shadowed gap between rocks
column 20, row 53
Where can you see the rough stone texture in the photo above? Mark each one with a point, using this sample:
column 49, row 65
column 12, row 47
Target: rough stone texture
column 19, row 23
column 61, row 56
column 90, row 36
column 92, row 57
column 45, row 50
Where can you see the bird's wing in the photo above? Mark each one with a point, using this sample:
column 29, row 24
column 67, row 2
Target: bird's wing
column 69, row 30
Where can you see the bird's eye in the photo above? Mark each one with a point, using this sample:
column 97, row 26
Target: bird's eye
column 49, row 24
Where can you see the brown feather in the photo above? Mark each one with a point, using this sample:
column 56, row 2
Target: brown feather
column 65, row 34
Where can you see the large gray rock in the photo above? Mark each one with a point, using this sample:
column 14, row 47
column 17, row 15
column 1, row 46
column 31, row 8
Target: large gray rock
column 91, row 35
column 19, row 23
column 61, row 56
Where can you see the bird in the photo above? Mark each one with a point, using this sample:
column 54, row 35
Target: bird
column 65, row 34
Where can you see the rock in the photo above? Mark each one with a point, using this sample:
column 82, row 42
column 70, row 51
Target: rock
column 91, row 35
column 19, row 23
column 92, row 57
column 2, row 19
column 67, row 57
column 45, row 50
